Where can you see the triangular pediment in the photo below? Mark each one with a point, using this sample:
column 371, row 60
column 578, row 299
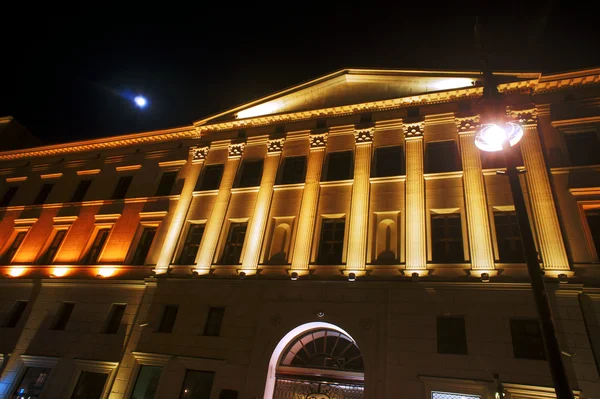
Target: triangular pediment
column 356, row 86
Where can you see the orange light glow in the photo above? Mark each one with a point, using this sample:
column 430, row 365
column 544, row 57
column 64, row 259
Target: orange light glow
column 106, row 272
column 60, row 271
column 16, row 271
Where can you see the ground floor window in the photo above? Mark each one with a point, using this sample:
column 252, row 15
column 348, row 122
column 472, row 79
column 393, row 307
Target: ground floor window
column 449, row 395
column 33, row 382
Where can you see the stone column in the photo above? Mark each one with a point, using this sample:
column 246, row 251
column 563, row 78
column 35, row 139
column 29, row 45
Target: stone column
column 197, row 158
column 480, row 241
column 545, row 218
column 359, row 208
column 206, row 252
column 416, row 254
column 310, row 200
column 258, row 221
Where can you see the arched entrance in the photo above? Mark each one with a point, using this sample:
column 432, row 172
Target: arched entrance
column 316, row 361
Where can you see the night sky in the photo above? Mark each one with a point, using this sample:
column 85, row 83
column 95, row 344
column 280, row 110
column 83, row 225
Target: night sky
column 65, row 77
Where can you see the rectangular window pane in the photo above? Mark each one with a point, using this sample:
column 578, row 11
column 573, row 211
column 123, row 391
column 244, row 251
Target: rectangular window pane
column 251, row 172
column 197, row 384
column 8, row 196
column 89, row 385
column 114, row 318
column 331, row 244
column 527, row 339
column 234, row 244
column 211, row 177
column 191, row 244
column 339, row 166
column 294, row 170
column 32, row 383
column 388, row 161
column 43, row 194
column 122, row 187
column 583, row 148
column 63, row 315
column 168, row 319
column 15, row 314
column 446, row 238
column 448, row 395
column 81, row 190
column 166, row 183
column 14, row 247
column 442, row 156
column 141, row 252
column 508, row 237
column 57, row 240
column 214, row 321
column 96, row 249
column 146, row 382
column 451, row 335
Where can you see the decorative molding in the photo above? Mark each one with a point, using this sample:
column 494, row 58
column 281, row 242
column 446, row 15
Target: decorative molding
column 362, row 136
column 318, row 140
column 64, row 219
column 27, row 221
column 108, row 216
column 569, row 122
column 168, row 164
column 151, row 359
column 51, row 176
column 274, row 146
column 236, row 150
column 39, row 361
column 152, row 215
column 526, row 117
column 413, row 130
column 88, row 172
column 16, row 179
column 199, row 153
column 127, row 168
column 467, row 124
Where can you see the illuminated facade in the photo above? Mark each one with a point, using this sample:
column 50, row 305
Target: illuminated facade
column 342, row 239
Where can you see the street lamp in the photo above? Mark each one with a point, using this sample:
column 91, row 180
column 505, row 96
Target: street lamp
column 499, row 135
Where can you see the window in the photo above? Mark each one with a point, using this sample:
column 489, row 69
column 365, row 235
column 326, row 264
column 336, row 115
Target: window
column 527, row 339
column 146, row 382
column 143, row 247
column 167, row 181
column 14, row 247
column 122, row 187
column 593, row 220
column 63, row 315
column 508, row 236
column 57, row 240
column 228, row 394
column 339, row 166
column 43, row 194
column 168, row 319
column 32, row 383
column 250, row 173
column 191, row 244
column 449, row 395
column 388, row 161
column 331, row 244
column 235, row 241
column 114, row 318
column 15, row 314
column 583, row 148
column 293, row 170
column 197, row 384
column 214, row 321
column 81, row 190
column 451, row 335
column 90, row 385
column 8, row 195
column 446, row 238
column 442, row 156
column 211, row 178
column 93, row 254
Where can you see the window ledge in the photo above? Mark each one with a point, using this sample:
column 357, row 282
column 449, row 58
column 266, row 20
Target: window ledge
column 443, row 175
column 569, row 169
column 335, row 183
column 387, row 179
column 252, row 189
column 293, row 186
column 204, row 193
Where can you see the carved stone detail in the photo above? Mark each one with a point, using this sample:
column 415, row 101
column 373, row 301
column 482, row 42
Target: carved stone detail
column 414, row 129
column 364, row 135
column 199, row 153
column 523, row 116
column 236, row 150
column 318, row 140
column 467, row 124
column 275, row 145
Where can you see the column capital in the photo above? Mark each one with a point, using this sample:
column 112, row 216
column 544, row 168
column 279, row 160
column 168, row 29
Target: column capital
column 413, row 130
column 362, row 136
column 236, row 150
column 468, row 124
column 275, row 146
column 526, row 117
column 318, row 140
column 199, row 153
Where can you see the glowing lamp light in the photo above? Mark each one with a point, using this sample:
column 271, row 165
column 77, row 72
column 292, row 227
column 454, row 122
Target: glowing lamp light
column 105, row 272
column 16, row 271
column 59, row 272
column 491, row 136
column 140, row 101
column 452, row 83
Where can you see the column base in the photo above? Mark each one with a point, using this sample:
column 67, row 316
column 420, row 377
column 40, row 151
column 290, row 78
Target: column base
column 202, row 272
column 242, row 273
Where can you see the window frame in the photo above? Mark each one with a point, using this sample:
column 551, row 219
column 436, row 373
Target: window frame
column 57, row 320
column 161, row 327
column 93, row 366
column 540, row 337
column 581, row 131
column 319, row 234
column 135, row 243
column 41, row 200
column 326, row 167
column 184, row 241
column 267, row 250
column 48, row 244
column 12, row 197
column 374, row 173
column 97, row 228
column 109, row 318
column 585, row 206
column 80, row 182
column 457, row 158
column 281, row 172
column 12, row 313
column 444, row 334
column 9, row 243
column 226, row 234
column 27, row 361
column 463, row 228
column 242, row 168
column 113, row 195
column 163, row 173
column 211, row 308
column 147, row 359
column 201, row 178
column 483, row 389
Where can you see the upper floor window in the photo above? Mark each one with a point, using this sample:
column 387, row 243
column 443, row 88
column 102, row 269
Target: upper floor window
column 168, row 318
column 583, row 148
column 508, row 237
column 167, row 181
column 197, row 384
column 497, row 159
column 43, row 194
column 293, row 170
column 14, row 247
column 442, row 156
column 446, row 238
column 451, row 335
column 81, row 190
column 191, row 244
column 52, row 249
column 122, row 187
column 331, row 245
column 250, row 173
column 339, row 166
column 211, row 177
column 214, row 321
column 143, row 247
column 15, row 314
column 388, row 161
column 8, row 195
column 93, row 253
column 234, row 243
column 114, row 318
column 592, row 217
column 527, row 339
column 63, row 315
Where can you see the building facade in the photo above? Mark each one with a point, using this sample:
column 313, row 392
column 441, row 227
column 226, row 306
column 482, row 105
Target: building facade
column 343, row 238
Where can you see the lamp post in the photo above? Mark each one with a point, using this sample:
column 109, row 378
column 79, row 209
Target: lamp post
column 500, row 135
